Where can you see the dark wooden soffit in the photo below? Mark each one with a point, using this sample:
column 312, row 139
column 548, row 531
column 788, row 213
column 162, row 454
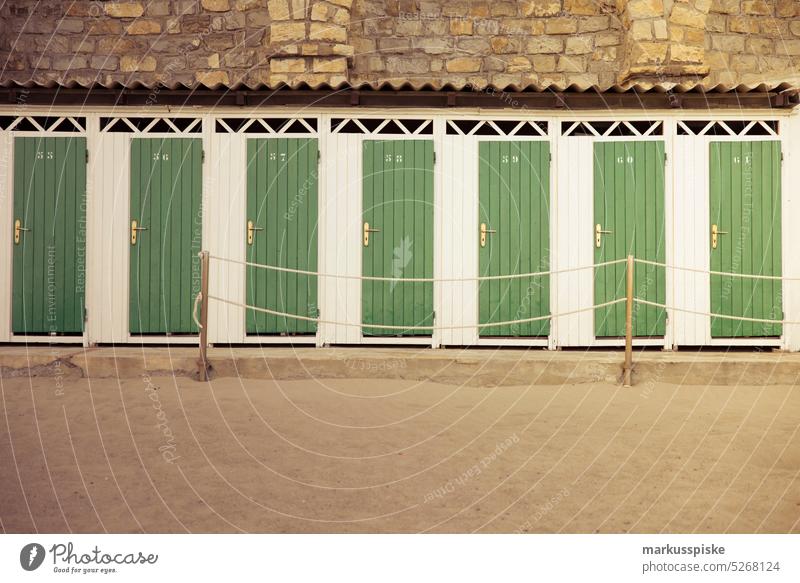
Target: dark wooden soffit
column 564, row 100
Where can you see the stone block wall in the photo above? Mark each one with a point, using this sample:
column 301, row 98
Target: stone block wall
column 459, row 42
column 188, row 42
column 484, row 42
column 753, row 41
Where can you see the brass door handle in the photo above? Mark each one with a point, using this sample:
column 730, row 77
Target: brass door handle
column 251, row 231
column 135, row 228
column 367, row 231
column 485, row 231
column 18, row 230
column 598, row 234
column 714, row 235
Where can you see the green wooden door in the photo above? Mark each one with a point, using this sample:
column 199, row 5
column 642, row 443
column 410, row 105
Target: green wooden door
column 745, row 196
column 398, row 201
column 282, row 231
column 629, row 202
column 49, row 235
column 166, row 192
column 514, row 194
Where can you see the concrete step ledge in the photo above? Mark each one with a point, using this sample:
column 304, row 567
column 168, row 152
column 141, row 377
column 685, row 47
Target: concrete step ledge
column 473, row 367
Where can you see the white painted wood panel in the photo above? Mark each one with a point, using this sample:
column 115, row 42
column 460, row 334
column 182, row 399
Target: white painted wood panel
column 225, row 234
column 573, row 212
column 6, row 241
column 790, row 135
column 340, row 236
column 457, row 243
column 108, row 238
column 689, row 237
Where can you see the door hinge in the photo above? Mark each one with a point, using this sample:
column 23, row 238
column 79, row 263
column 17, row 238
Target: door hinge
column 781, row 157
column 87, row 156
column 319, row 157
column 550, row 157
column 202, row 156
column 666, row 157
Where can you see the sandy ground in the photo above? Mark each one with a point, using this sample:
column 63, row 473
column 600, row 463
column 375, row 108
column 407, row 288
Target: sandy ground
column 173, row 455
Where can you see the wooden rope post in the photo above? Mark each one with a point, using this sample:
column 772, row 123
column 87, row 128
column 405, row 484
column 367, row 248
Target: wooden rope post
column 628, row 369
column 203, row 366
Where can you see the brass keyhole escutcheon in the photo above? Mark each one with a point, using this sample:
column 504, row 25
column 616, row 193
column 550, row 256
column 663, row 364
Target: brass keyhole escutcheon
column 598, row 234
column 251, row 232
column 18, row 230
column 135, row 228
column 486, row 231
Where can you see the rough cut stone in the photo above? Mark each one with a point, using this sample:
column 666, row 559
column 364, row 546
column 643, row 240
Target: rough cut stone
column 336, row 65
column 287, row 31
column 463, row 65
column 544, row 44
column 645, row 8
column 540, row 7
column 583, row 7
column 687, row 16
column 544, row 63
column 124, row 9
column 641, row 30
column 320, row 11
column 726, row 6
column 660, row 29
column 104, row 63
column 686, row 54
column 141, row 26
column 651, row 52
column 215, row 5
column 278, row 9
column 460, row 27
column 729, row 43
column 212, row 78
column 502, row 44
column 578, row 45
column 278, row 65
column 761, row 7
column 571, row 64
column 330, row 32
column 518, row 64
column 561, row 26
column 131, row 64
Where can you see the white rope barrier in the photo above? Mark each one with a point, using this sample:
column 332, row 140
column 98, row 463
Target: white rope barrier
column 197, row 299
column 713, row 315
column 722, row 273
column 413, row 279
column 395, row 327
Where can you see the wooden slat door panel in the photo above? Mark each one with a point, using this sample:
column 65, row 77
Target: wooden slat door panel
column 282, row 184
column 398, row 200
column 629, row 202
column 166, row 199
column 745, row 198
column 514, row 194
column 49, row 258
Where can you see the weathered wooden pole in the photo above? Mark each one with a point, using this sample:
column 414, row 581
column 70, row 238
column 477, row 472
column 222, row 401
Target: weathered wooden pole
column 628, row 323
column 203, row 362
